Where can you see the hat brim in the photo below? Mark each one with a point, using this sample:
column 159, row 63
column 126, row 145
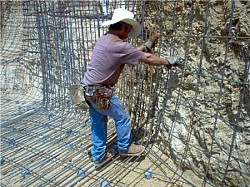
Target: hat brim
column 135, row 31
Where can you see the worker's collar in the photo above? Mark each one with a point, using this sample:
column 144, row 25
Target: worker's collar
column 118, row 33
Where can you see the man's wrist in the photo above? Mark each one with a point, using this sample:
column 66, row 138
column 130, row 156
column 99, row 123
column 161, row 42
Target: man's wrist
column 166, row 62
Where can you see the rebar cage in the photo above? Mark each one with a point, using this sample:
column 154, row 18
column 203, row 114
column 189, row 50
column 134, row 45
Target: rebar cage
column 193, row 119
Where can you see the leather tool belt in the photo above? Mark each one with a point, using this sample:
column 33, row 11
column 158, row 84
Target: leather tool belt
column 101, row 94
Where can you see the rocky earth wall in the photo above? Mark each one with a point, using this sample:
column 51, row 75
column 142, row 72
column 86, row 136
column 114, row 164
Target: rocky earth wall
column 203, row 108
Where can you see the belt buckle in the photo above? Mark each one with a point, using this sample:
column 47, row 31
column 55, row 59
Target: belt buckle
column 89, row 90
column 89, row 93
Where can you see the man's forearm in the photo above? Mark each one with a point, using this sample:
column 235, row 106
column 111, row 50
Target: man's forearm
column 151, row 59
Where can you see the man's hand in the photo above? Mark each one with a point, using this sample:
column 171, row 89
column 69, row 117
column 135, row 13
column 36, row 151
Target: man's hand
column 175, row 60
column 150, row 43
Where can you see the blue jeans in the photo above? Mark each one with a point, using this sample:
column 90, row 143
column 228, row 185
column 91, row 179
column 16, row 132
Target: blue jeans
column 99, row 120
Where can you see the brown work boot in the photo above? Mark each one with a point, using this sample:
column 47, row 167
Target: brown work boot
column 106, row 158
column 134, row 150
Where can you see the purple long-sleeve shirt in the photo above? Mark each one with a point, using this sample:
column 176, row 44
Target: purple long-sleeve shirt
column 109, row 56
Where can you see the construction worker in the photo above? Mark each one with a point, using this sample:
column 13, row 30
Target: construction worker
column 109, row 57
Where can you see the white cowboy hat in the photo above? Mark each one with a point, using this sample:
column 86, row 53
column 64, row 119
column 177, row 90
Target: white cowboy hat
column 126, row 16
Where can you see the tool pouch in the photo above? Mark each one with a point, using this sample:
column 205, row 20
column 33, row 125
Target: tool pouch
column 103, row 97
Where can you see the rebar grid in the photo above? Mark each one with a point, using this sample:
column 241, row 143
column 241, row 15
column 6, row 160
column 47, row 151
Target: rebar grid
column 193, row 120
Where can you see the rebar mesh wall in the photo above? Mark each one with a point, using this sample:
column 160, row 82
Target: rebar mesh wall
column 193, row 120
